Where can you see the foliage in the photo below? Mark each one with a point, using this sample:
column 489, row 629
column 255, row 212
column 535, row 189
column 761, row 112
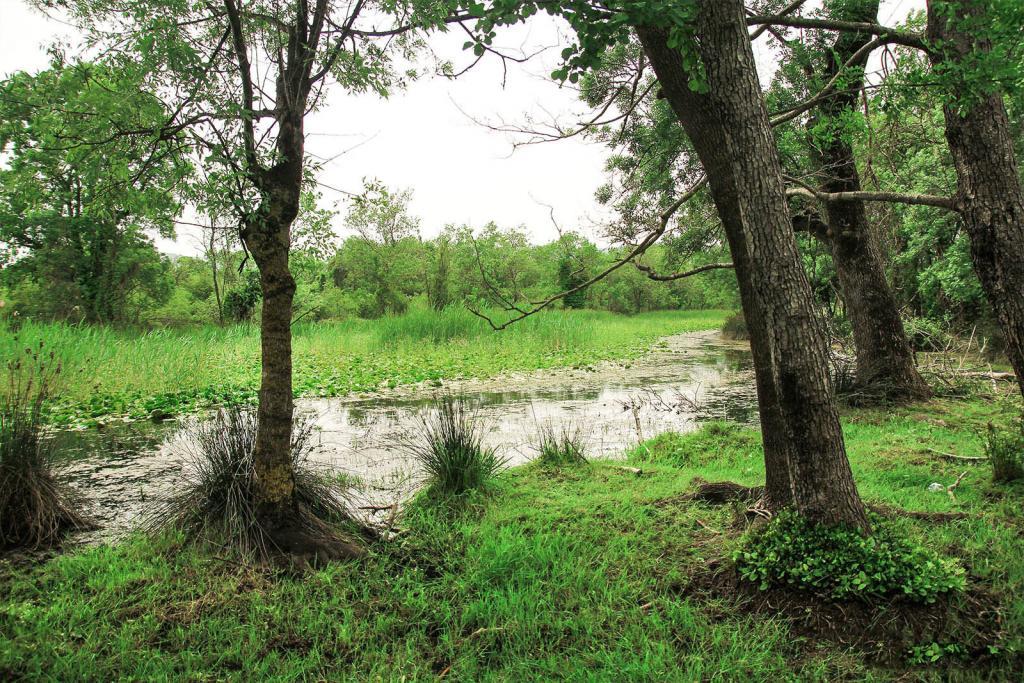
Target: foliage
column 215, row 504
column 1005, row 450
column 449, row 450
column 74, row 216
column 844, row 563
column 241, row 301
column 558, row 446
column 36, row 508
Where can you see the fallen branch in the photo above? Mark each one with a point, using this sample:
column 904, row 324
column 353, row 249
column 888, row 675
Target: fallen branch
column 632, row 470
column 954, row 456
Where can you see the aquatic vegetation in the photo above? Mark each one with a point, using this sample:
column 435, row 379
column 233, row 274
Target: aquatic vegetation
column 561, row 445
column 111, row 373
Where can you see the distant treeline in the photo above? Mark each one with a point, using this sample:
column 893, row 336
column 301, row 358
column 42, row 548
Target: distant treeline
column 363, row 276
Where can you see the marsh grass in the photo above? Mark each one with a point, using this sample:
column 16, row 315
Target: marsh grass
column 449, row 449
column 36, row 508
column 561, row 445
column 129, row 372
column 215, row 504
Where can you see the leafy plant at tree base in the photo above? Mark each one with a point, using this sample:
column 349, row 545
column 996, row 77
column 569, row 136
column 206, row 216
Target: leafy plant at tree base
column 450, row 450
column 842, row 563
column 36, row 509
column 563, row 446
column 215, row 504
column 1006, row 452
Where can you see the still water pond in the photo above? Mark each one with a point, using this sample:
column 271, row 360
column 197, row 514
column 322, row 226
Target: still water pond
column 684, row 381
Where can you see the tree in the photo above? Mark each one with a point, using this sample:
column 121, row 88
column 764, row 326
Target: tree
column 700, row 51
column 974, row 65
column 242, row 77
column 885, row 360
column 76, row 216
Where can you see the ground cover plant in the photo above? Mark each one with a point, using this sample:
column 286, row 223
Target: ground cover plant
column 114, row 373
column 588, row 573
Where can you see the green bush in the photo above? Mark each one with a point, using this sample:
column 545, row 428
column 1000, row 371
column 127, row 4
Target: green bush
column 1006, row 452
column 842, row 563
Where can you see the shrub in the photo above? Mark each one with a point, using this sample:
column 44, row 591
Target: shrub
column 216, row 502
column 735, row 327
column 842, row 563
column 1006, row 452
column 563, row 446
column 926, row 335
column 449, row 448
column 36, row 509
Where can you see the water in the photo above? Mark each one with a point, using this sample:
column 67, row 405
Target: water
column 686, row 380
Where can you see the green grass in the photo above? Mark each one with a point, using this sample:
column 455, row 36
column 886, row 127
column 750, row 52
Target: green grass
column 111, row 372
column 568, row 574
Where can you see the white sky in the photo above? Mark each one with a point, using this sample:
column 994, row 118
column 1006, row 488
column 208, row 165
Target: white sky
column 459, row 171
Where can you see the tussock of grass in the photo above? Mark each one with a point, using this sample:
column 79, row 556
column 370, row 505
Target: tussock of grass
column 1005, row 450
column 563, row 445
column 215, row 503
column 36, row 508
column 450, row 451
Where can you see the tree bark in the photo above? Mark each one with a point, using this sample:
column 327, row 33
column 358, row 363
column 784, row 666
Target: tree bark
column 268, row 238
column 805, row 458
column 885, row 359
column 989, row 193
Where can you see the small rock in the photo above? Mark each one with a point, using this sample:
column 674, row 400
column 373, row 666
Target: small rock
column 936, row 487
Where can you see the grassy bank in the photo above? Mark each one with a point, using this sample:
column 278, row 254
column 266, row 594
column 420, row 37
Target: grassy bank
column 111, row 372
column 580, row 573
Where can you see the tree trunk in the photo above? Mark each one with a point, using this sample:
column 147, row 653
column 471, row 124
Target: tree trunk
column 989, row 193
column 885, row 359
column 805, row 458
column 273, row 459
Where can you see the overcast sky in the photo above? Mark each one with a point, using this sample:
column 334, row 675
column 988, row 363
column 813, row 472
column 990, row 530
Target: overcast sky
column 425, row 138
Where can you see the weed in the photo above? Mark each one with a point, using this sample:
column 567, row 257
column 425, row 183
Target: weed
column 843, row 563
column 1005, row 450
column 216, row 502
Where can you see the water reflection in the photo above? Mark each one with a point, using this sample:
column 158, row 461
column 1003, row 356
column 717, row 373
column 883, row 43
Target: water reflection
column 685, row 381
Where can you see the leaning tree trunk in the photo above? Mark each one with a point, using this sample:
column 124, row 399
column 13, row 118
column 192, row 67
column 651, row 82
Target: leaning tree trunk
column 805, row 458
column 989, row 193
column 885, row 359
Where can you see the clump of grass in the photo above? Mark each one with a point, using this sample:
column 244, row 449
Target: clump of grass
column 450, row 450
column 561, row 446
column 216, row 504
column 843, row 563
column 735, row 327
column 1006, row 452
column 36, row 508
